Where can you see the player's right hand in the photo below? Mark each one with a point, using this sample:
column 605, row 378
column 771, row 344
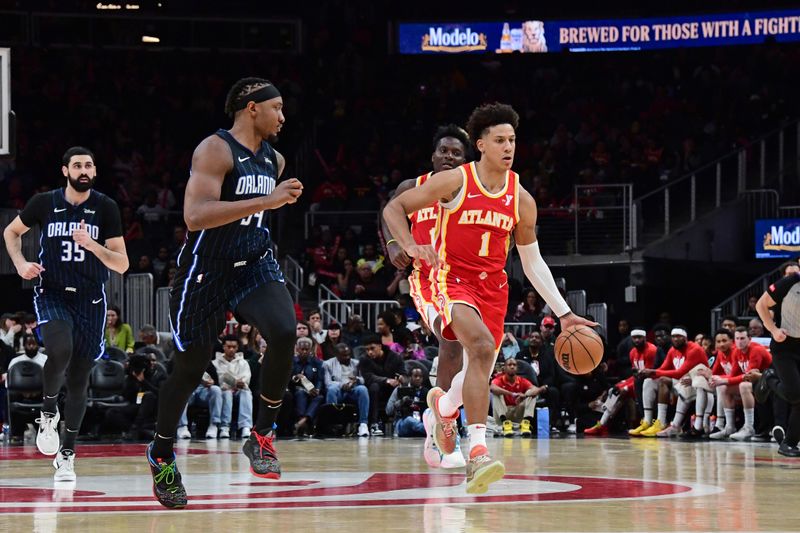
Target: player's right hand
column 29, row 270
column 398, row 256
column 286, row 192
column 779, row 335
column 427, row 253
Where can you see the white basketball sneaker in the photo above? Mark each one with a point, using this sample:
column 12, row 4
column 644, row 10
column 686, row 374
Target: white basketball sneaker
column 430, row 452
column 64, row 463
column 47, row 439
column 455, row 459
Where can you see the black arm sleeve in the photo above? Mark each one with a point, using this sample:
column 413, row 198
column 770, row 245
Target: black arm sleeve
column 35, row 211
column 112, row 222
column 780, row 288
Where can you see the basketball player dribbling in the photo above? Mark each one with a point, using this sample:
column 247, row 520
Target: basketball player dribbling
column 451, row 148
column 227, row 262
column 482, row 205
column 81, row 241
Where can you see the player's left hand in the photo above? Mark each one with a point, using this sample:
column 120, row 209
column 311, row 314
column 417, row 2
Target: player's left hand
column 82, row 238
column 571, row 319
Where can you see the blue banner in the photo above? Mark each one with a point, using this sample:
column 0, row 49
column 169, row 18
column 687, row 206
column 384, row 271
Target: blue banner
column 538, row 36
column 777, row 238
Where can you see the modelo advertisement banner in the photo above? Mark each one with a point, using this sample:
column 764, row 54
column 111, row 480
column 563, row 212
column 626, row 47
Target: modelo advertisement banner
column 777, row 238
column 538, row 36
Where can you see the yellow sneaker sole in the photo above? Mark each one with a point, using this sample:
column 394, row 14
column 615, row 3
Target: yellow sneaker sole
column 486, row 476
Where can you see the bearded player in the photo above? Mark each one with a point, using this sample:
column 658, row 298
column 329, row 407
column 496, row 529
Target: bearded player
column 482, row 205
column 451, row 148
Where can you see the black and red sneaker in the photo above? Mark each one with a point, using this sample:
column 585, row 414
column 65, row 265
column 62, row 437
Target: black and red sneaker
column 263, row 457
column 167, row 485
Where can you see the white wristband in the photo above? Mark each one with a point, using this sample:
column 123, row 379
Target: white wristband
column 540, row 276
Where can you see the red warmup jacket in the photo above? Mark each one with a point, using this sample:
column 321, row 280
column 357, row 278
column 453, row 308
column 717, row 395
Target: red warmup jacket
column 756, row 356
column 679, row 362
column 644, row 359
column 723, row 364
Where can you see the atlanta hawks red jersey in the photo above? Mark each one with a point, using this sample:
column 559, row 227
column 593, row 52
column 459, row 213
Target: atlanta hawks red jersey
column 472, row 238
column 723, row 362
column 475, row 228
column 423, row 228
column 756, row 357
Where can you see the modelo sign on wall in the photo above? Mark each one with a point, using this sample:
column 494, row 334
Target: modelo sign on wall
column 777, row 238
column 606, row 35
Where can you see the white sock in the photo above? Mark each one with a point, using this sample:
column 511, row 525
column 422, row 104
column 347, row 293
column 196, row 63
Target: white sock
column 648, row 415
column 749, row 417
column 662, row 413
column 454, row 399
column 703, row 422
column 678, row 420
column 605, row 417
column 699, row 421
column 729, row 414
column 477, row 436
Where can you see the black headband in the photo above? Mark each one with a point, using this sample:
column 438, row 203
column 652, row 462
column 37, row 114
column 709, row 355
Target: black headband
column 267, row 92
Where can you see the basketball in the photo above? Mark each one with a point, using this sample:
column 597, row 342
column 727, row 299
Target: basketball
column 579, row 349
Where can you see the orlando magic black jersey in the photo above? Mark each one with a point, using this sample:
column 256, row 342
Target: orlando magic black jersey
column 66, row 264
column 252, row 175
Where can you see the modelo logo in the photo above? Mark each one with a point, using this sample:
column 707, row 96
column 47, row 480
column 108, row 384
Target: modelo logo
column 782, row 239
column 457, row 40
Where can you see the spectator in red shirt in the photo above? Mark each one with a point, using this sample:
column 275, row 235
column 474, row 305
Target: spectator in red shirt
column 642, row 356
column 748, row 361
column 682, row 359
column 514, row 400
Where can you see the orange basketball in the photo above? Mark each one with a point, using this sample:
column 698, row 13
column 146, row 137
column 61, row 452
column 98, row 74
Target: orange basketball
column 579, row 349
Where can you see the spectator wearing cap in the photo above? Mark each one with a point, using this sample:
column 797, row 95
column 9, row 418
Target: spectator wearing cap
column 368, row 285
column 548, row 331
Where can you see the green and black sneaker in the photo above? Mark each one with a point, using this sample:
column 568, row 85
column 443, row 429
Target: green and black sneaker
column 167, row 485
column 263, row 457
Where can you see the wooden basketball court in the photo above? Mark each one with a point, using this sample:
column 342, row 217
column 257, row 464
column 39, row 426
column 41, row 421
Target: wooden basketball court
column 384, row 485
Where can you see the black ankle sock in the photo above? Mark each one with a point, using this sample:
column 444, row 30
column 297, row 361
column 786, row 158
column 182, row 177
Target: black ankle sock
column 68, row 442
column 267, row 413
column 50, row 405
column 162, row 447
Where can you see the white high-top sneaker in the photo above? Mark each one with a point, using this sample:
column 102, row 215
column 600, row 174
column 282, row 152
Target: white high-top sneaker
column 64, row 463
column 744, row 434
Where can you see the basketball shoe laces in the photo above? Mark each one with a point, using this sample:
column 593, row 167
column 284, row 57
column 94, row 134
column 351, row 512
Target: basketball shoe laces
column 167, row 475
column 265, row 444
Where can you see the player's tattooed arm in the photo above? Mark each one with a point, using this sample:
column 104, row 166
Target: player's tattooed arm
column 203, row 208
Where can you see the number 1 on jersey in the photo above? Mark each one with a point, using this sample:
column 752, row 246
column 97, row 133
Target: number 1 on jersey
column 484, row 251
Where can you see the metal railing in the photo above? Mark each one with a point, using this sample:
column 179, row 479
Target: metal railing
column 162, row 309
column 294, row 275
column 600, row 313
column 521, row 330
column 368, row 310
column 763, row 163
column 138, row 309
column 115, row 290
column 737, row 303
column 789, row 211
column 358, row 220
column 600, row 221
column 577, row 301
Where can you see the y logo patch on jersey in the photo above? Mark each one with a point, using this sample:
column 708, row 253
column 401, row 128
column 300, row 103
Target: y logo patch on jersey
column 57, row 210
column 508, row 199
